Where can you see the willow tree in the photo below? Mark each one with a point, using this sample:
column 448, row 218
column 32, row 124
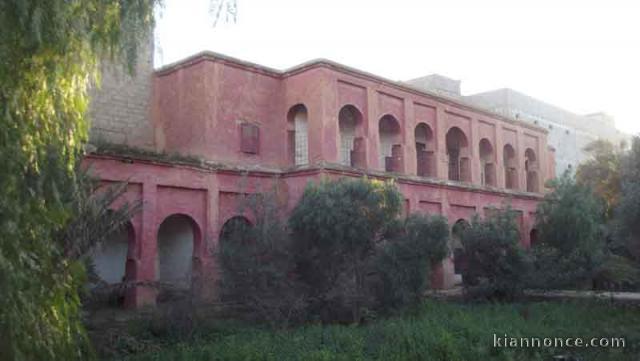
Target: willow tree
column 50, row 52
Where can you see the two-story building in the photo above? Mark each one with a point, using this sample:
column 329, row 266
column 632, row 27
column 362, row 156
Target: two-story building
column 218, row 128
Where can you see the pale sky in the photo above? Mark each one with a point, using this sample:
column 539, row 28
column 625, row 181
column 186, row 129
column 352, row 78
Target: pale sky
column 581, row 55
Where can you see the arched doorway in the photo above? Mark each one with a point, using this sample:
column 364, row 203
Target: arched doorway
column 457, row 248
column 510, row 167
column 352, row 150
column 533, row 237
column 177, row 236
column 424, row 151
column 298, row 135
column 390, row 144
column 487, row 163
column 235, row 229
column 110, row 257
column 531, row 167
column 458, row 154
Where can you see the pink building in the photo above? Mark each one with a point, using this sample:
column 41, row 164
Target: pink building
column 239, row 128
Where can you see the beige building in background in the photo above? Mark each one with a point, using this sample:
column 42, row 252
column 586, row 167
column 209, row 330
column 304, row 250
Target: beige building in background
column 568, row 134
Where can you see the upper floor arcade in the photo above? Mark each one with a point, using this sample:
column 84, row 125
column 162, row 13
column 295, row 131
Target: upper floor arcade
column 242, row 114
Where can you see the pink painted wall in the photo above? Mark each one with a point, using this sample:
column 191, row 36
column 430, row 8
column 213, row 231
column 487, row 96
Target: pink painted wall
column 197, row 109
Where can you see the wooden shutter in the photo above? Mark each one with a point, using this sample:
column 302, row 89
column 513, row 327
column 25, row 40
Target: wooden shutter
column 249, row 138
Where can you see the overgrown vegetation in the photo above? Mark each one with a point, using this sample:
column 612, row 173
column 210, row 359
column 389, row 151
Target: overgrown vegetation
column 345, row 255
column 496, row 265
column 571, row 241
column 434, row 331
column 403, row 263
column 336, row 228
column 258, row 265
column 627, row 213
column 49, row 54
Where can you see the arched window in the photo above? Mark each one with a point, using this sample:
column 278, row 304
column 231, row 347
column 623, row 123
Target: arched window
column 510, row 169
column 298, row 135
column 458, row 154
column 390, row 144
column 531, row 167
column 487, row 163
column 176, row 238
column 352, row 152
column 424, row 151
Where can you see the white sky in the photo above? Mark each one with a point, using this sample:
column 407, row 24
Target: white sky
column 582, row 55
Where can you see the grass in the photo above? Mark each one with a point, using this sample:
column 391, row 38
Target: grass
column 435, row 331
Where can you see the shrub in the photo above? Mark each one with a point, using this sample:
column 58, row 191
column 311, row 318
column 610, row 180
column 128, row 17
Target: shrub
column 496, row 265
column 404, row 262
column 336, row 227
column 258, row 266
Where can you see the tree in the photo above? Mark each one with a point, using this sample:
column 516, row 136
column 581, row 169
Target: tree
column 49, row 53
column 601, row 172
column 628, row 210
column 496, row 265
column 571, row 243
column 404, row 261
column 336, row 227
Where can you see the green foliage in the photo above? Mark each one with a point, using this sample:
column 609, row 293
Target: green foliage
column 49, row 52
column 258, row 265
column 601, row 172
column 404, row 261
column 495, row 264
column 437, row 331
column 571, row 243
column 628, row 210
column 336, row 227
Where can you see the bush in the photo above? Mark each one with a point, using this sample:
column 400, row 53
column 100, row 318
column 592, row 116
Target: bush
column 496, row 265
column 404, row 262
column 336, row 227
column 258, row 265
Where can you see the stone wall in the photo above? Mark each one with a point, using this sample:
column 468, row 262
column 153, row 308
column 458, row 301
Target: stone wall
column 120, row 107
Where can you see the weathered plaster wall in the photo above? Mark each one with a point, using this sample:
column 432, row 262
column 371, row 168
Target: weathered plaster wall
column 205, row 199
column 197, row 109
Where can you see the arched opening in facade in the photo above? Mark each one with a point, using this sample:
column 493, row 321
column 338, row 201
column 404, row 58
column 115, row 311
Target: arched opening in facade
column 298, row 135
column 458, row 154
column 533, row 237
column 177, row 236
column 457, row 249
column 390, row 144
column 510, row 167
column 352, row 147
column 235, row 229
column 425, row 151
column 531, row 167
column 110, row 257
column 487, row 163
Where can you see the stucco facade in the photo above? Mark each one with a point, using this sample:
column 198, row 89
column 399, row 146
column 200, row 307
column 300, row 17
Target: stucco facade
column 241, row 128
